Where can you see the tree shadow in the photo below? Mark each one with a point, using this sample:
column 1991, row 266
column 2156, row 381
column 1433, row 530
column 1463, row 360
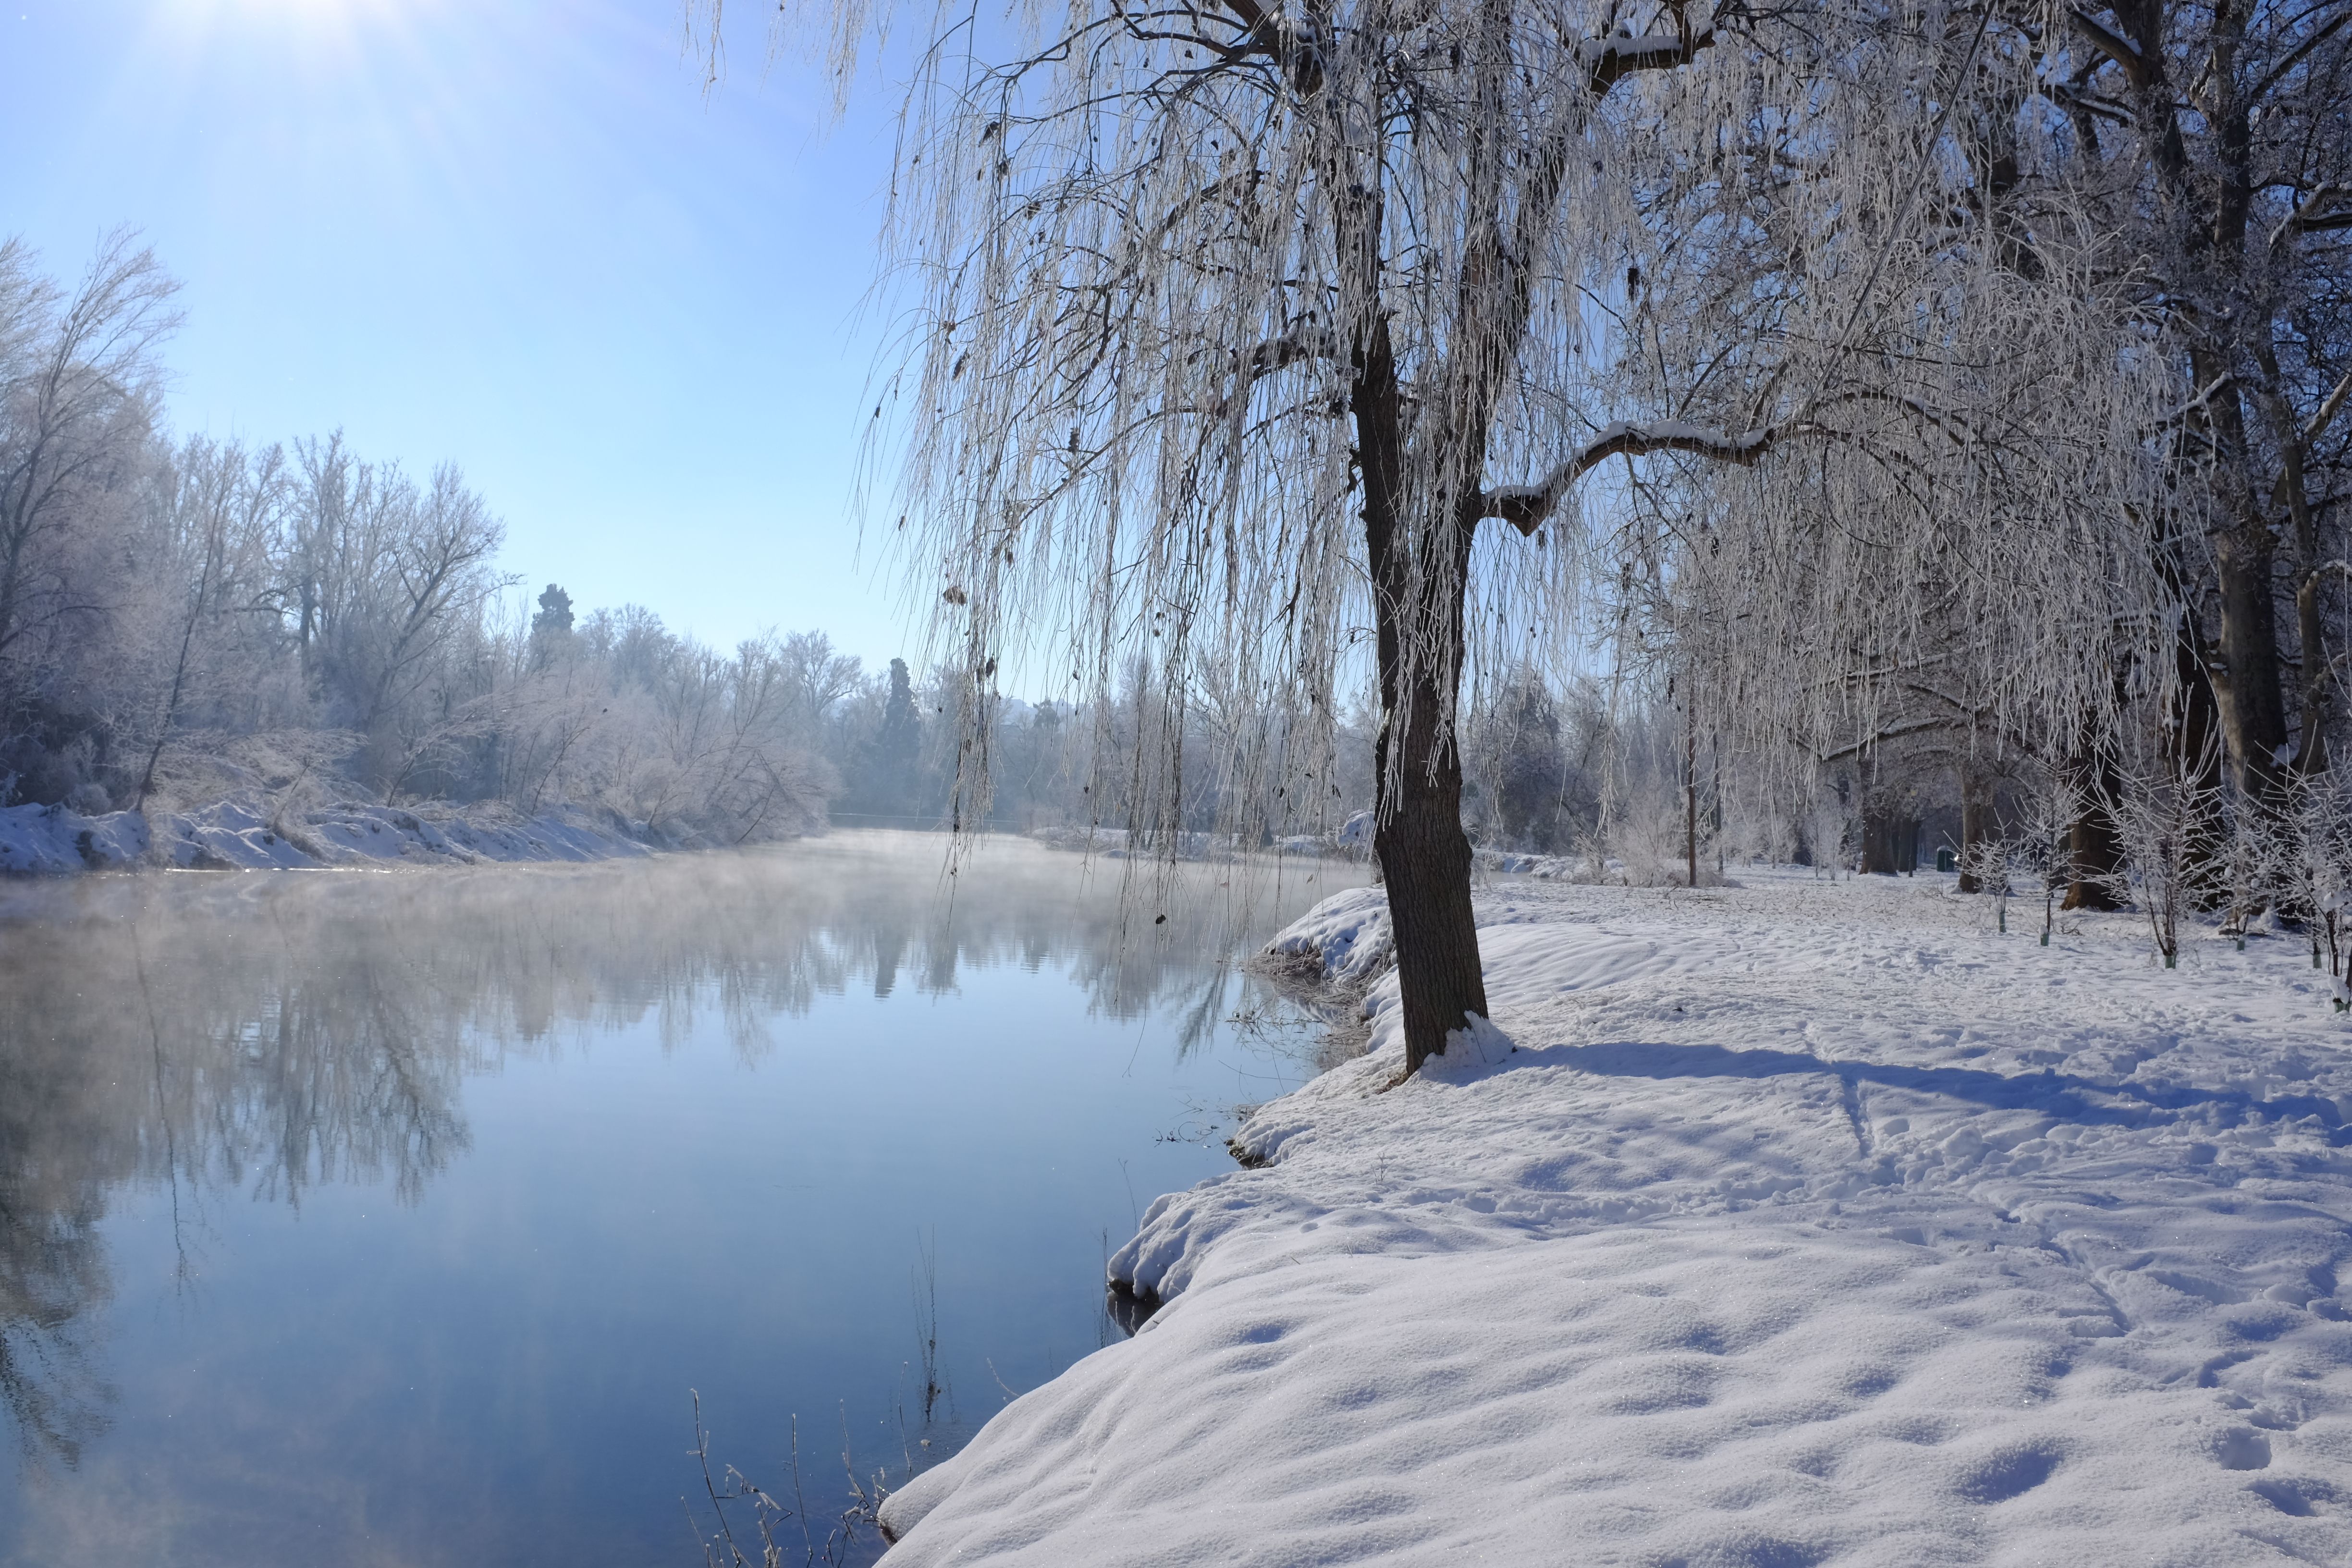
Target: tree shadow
column 2047, row 1092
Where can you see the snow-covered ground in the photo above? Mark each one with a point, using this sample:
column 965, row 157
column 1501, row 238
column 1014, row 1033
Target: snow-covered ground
column 1344, row 941
column 1795, row 1222
column 240, row 833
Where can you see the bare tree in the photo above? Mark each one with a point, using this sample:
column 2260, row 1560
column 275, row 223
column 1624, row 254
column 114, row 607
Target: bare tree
column 815, row 678
column 78, row 372
column 381, row 579
column 220, row 508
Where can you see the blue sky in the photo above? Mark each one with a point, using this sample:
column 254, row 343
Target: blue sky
column 513, row 234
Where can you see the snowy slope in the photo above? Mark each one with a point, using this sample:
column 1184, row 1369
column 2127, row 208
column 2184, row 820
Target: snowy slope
column 240, row 833
column 1807, row 1222
column 50, row 841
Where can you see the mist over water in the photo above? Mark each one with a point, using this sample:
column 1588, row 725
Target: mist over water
column 389, row 1219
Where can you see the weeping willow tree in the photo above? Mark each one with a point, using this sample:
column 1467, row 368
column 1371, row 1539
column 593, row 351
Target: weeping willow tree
column 1964, row 551
column 1234, row 326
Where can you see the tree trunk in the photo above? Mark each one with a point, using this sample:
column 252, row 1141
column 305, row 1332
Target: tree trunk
column 2094, row 848
column 1425, row 860
column 2193, row 737
column 1890, row 840
column 1976, row 823
column 2252, row 709
column 1877, row 842
column 2311, row 564
column 1424, row 855
column 1690, row 788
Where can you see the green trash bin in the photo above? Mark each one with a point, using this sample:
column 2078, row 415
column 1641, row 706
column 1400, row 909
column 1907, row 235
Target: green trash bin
column 1947, row 861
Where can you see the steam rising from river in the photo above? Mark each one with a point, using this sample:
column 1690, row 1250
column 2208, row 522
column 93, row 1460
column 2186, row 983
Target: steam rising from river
column 260, row 1034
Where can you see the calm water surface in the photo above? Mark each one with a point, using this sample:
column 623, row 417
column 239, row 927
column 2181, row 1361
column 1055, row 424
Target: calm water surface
column 389, row 1219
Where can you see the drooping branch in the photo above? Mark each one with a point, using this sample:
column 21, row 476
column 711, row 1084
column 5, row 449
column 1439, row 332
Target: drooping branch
column 1525, row 507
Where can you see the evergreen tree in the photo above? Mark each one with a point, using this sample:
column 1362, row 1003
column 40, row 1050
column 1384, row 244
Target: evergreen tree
column 899, row 746
column 551, row 629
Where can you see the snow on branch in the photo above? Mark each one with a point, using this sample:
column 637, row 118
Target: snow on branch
column 1525, row 507
column 2203, row 403
column 1609, row 61
column 2328, row 206
column 2110, row 43
column 2328, row 410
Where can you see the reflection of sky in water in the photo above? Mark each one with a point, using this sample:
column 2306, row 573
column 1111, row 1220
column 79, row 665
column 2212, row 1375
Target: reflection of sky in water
column 388, row 1220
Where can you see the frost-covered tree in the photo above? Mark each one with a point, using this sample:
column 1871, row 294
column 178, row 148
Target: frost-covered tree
column 79, row 373
column 1238, row 323
column 1963, row 570
column 214, row 641
column 382, row 578
column 815, row 678
column 2216, row 141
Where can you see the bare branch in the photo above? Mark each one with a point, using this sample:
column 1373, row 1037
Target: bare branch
column 1525, row 507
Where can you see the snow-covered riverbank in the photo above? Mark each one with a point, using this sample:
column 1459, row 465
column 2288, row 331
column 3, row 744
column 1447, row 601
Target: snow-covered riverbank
column 1796, row 1223
column 242, row 834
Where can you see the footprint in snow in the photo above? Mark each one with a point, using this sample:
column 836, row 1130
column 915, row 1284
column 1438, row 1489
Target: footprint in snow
column 2011, row 1472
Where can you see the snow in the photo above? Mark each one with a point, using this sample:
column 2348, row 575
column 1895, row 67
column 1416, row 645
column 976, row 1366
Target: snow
column 237, row 833
column 1345, row 940
column 49, row 841
column 1807, row 1223
column 1653, row 46
column 242, row 834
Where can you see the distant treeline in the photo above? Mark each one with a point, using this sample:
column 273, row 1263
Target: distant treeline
column 182, row 619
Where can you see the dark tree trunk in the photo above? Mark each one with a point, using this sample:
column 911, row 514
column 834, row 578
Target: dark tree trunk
column 1424, row 855
column 1890, row 842
column 1877, row 842
column 1690, row 789
column 2253, row 706
column 2094, row 848
column 1976, row 824
column 1425, row 860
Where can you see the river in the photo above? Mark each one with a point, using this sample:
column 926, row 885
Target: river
column 390, row 1219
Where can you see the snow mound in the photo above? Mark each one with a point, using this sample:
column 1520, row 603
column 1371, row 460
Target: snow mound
column 230, row 835
column 1346, row 938
column 1472, row 1049
column 1807, row 1223
column 50, row 841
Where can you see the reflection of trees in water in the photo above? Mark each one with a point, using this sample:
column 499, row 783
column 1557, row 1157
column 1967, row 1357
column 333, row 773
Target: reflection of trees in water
column 50, row 1267
column 208, row 1034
